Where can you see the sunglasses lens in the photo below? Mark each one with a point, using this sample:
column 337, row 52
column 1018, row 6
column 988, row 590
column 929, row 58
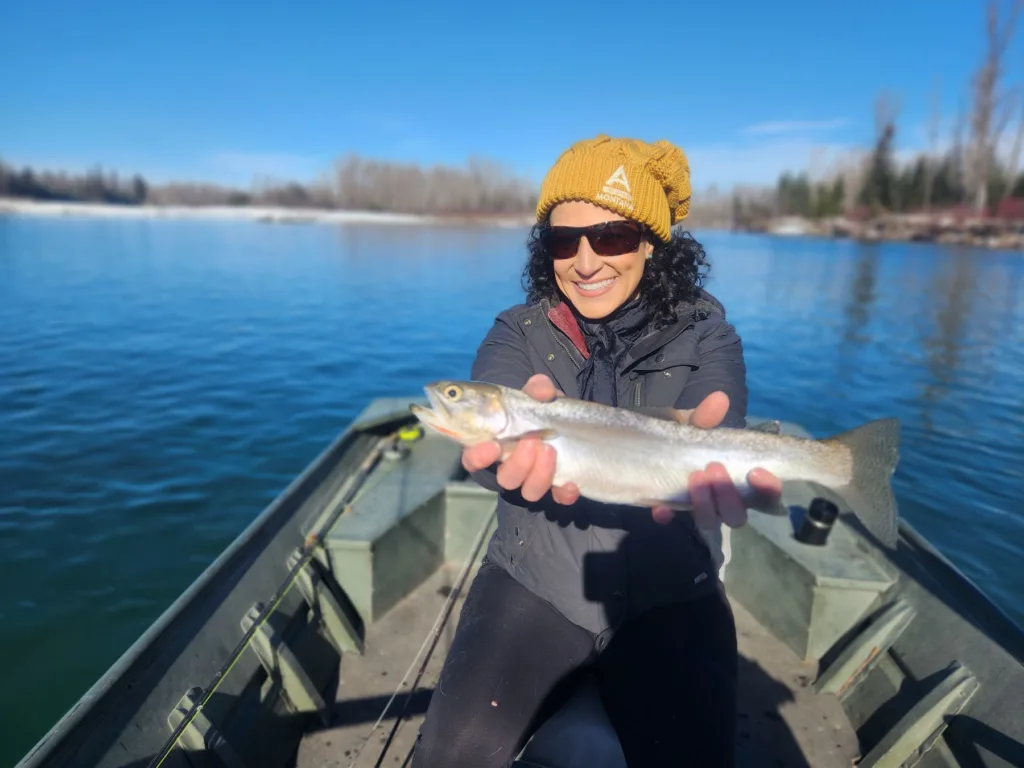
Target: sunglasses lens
column 561, row 244
column 615, row 239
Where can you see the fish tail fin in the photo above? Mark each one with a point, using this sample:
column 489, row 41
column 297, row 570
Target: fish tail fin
column 874, row 449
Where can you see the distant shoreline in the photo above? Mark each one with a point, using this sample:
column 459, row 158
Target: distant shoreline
column 939, row 229
column 271, row 215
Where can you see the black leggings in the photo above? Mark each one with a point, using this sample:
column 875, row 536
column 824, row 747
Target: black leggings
column 667, row 680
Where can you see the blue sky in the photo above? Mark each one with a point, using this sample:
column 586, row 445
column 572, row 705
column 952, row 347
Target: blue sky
column 222, row 91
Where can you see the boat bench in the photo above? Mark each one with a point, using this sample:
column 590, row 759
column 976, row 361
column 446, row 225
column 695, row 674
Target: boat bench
column 807, row 596
column 409, row 519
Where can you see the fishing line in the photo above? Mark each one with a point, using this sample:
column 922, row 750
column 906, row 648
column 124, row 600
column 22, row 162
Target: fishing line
column 432, row 638
column 449, row 606
column 308, row 550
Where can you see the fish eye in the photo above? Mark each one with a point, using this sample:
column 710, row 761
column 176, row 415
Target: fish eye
column 453, row 392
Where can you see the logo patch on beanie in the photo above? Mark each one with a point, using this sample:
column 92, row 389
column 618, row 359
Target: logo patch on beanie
column 616, row 189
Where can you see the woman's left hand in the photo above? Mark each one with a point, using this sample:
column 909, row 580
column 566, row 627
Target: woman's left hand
column 714, row 496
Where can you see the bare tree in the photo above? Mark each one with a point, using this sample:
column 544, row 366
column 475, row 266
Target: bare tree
column 959, row 152
column 887, row 109
column 817, row 168
column 933, row 146
column 1014, row 159
column 987, row 100
column 482, row 186
column 853, row 170
column 879, row 188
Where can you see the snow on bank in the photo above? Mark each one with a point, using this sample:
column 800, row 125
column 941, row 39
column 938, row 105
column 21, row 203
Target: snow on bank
column 245, row 213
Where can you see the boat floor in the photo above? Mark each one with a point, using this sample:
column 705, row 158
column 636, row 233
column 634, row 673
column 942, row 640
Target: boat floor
column 782, row 720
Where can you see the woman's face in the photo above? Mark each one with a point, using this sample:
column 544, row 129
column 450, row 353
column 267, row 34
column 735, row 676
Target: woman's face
column 596, row 285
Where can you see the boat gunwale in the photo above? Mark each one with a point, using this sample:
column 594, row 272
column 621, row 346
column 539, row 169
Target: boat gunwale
column 953, row 580
column 336, row 448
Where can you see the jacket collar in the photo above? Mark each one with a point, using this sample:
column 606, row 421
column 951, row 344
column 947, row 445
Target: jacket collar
column 562, row 317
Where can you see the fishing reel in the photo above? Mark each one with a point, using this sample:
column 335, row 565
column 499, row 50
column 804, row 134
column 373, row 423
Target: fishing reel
column 403, row 441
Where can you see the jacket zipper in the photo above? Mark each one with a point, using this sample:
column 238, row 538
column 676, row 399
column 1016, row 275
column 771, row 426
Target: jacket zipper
column 554, row 335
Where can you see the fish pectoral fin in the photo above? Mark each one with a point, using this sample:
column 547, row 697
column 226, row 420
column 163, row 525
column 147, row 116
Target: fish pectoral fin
column 509, row 443
column 773, row 427
column 543, row 434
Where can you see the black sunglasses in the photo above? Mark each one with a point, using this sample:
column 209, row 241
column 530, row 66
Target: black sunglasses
column 611, row 238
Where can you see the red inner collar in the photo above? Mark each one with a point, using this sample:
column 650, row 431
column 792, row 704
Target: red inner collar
column 565, row 321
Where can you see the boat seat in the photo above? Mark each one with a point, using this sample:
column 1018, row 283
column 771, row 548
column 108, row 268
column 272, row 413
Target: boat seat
column 578, row 735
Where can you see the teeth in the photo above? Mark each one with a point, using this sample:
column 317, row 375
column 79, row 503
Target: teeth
column 595, row 286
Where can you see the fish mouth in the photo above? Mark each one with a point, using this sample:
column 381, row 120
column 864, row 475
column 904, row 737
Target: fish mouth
column 436, row 409
column 436, row 416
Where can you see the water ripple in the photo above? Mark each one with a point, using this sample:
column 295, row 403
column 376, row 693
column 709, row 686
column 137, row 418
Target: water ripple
column 161, row 382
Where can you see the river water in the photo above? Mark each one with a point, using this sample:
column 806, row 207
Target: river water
column 162, row 381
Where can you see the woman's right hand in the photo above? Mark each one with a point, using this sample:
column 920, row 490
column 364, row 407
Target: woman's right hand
column 531, row 464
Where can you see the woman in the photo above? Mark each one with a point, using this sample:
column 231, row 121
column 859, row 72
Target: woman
column 614, row 314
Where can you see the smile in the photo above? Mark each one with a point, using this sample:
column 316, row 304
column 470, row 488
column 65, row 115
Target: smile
column 596, row 287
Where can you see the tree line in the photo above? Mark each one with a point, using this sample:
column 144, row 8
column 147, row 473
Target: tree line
column 480, row 187
column 976, row 172
column 94, row 186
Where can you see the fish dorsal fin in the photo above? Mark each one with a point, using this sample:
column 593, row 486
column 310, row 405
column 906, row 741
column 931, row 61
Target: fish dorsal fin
column 773, row 427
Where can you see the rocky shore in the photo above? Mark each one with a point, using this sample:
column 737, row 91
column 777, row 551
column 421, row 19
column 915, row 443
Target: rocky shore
column 947, row 229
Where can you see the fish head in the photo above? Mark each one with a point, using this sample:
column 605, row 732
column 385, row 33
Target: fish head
column 468, row 412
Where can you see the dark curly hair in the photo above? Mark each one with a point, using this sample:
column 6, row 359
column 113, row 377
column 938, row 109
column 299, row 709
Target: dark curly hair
column 672, row 279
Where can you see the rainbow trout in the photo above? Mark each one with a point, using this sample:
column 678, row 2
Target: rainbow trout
column 618, row 456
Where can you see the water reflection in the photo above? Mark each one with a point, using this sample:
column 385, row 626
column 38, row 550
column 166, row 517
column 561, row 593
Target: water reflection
column 1014, row 282
column 952, row 293
column 862, row 294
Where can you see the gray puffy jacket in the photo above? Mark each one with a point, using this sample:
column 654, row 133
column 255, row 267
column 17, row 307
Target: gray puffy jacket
column 598, row 564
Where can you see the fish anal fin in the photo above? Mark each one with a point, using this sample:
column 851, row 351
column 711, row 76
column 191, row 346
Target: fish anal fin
column 773, row 427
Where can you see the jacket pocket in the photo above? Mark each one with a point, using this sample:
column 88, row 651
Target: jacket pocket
column 660, row 387
column 517, row 527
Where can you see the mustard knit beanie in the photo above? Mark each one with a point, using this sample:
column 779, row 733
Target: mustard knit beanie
column 649, row 183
